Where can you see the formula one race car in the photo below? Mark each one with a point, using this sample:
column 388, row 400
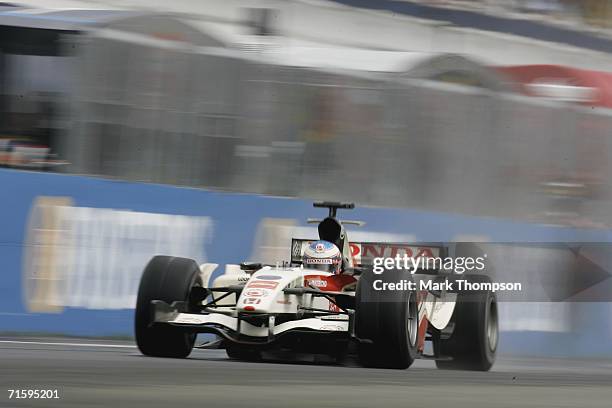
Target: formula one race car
column 326, row 300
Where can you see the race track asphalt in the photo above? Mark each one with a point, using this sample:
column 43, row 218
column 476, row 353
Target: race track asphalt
column 90, row 373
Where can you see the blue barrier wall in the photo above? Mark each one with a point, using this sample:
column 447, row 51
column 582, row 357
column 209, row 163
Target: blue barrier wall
column 235, row 218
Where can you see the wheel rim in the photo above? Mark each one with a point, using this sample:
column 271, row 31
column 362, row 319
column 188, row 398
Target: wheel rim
column 412, row 324
column 492, row 326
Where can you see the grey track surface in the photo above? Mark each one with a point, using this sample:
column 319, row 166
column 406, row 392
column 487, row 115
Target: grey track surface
column 94, row 375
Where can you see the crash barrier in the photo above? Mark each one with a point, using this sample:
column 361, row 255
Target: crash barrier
column 249, row 123
column 73, row 249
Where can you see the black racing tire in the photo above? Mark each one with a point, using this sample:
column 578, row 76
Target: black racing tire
column 473, row 342
column 168, row 279
column 386, row 322
column 242, row 353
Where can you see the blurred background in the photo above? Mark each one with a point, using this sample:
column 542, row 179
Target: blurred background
column 131, row 128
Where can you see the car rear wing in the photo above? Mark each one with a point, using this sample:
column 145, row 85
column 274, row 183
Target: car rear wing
column 363, row 253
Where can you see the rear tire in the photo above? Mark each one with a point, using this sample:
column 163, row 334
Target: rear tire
column 473, row 343
column 168, row 279
column 386, row 321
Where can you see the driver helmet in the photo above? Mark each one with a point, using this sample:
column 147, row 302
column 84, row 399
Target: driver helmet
column 322, row 256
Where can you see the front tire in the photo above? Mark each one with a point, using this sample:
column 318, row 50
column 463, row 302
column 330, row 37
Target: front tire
column 168, row 279
column 386, row 322
column 473, row 343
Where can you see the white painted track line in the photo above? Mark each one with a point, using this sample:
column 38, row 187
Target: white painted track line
column 45, row 343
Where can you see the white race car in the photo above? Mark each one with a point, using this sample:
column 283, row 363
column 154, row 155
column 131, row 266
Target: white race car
column 292, row 306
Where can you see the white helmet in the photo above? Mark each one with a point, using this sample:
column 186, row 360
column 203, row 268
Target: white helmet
column 322, row 256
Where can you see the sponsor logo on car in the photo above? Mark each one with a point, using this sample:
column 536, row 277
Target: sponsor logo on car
column 256, row 292
column 269, row 277
column 187, row 319
column 391, row 251
column 363, row 253
column 323, row 261
column 332, row 327
column 262, row 284
column 319, row 283
column 297, row 249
